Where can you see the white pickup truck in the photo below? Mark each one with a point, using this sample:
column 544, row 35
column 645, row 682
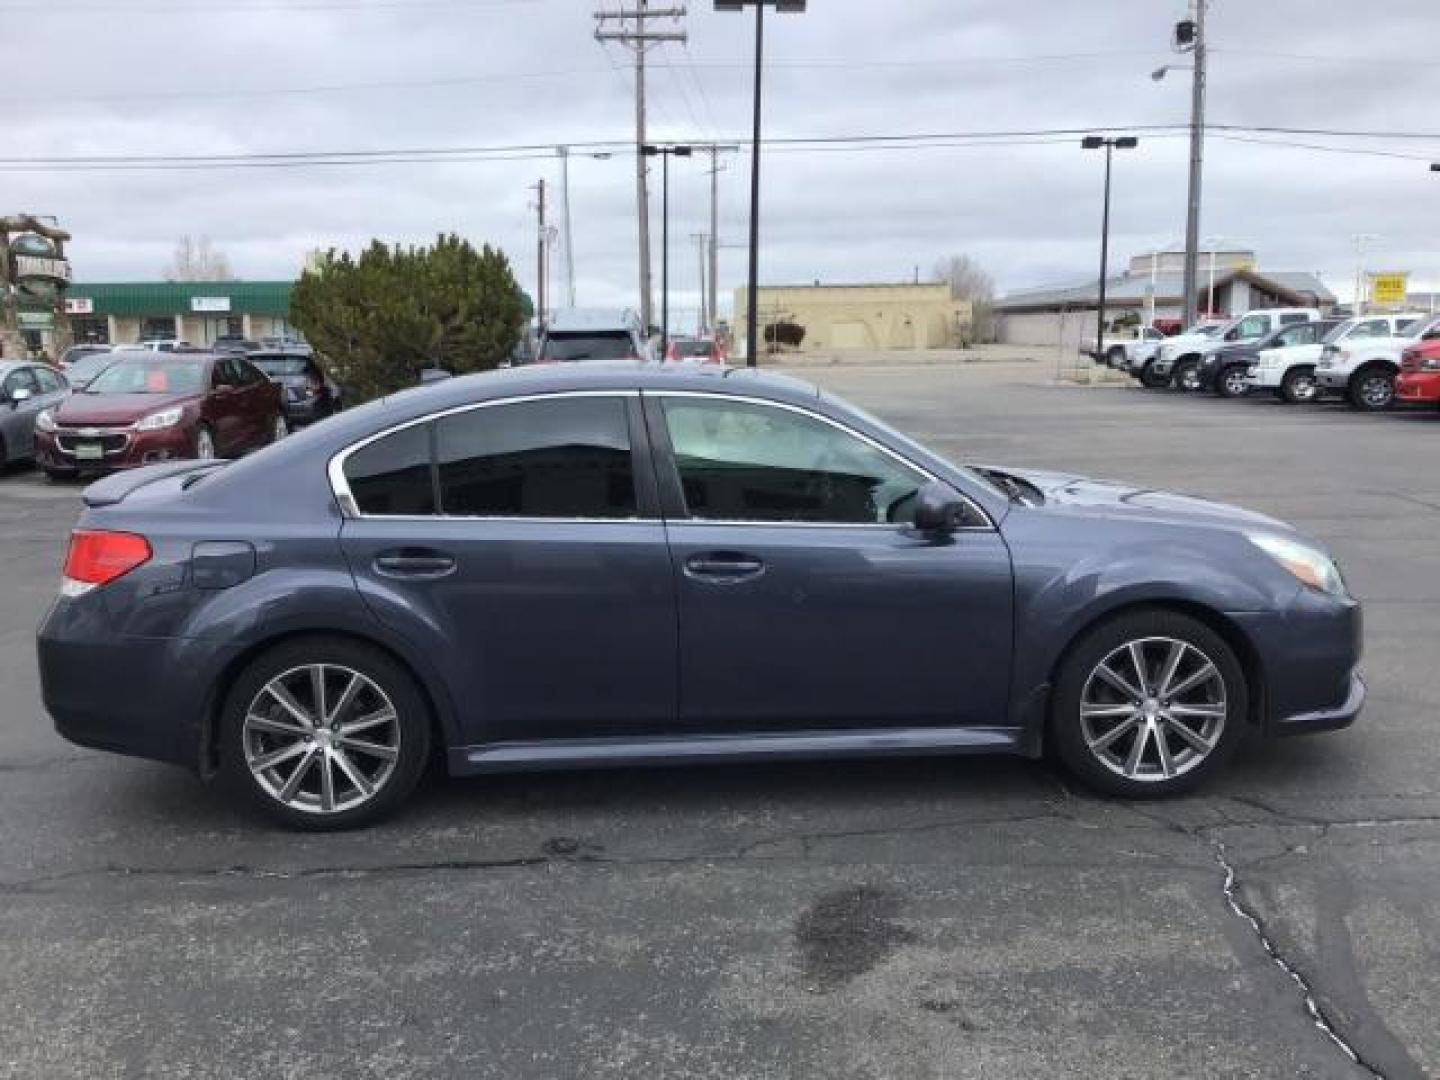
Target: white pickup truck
column 1363, row 366
column 1123, row 352
column 1178, row 362
column 1289, row 370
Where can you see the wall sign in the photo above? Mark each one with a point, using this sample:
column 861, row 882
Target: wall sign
column 209, row 303
column 79, row 305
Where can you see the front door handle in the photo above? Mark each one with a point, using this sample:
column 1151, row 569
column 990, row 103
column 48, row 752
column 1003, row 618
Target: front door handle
column 413, row 563
column 724, row 566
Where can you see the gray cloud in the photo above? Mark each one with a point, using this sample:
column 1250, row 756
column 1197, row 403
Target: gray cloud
column 162, row 76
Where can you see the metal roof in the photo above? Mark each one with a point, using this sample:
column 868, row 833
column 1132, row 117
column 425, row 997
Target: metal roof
column 1169, row 288
column 159, row 298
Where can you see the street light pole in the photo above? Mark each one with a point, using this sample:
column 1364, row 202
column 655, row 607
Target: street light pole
column 1197, row 157
column 665, row 153
column 753, row 288
column 1096, row 142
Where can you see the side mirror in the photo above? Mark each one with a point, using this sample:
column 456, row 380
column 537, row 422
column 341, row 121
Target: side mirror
column 18, row 395
column 938, row 509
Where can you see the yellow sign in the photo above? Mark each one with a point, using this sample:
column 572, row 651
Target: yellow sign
column 1388, row 288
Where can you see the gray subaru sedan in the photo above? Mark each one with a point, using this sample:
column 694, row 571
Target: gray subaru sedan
column 585, row 566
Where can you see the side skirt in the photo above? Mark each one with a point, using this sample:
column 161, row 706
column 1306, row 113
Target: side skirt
column 725, row 749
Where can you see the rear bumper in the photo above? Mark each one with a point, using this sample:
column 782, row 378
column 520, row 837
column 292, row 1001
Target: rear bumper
column 306, row 411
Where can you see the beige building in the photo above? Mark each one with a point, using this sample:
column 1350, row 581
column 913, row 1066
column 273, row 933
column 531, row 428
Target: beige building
column 839, row 318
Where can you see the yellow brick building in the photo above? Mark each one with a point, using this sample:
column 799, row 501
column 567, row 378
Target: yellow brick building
column 842, row 318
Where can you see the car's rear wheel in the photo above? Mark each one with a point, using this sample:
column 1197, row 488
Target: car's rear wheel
column 1232, row 381
column 1372, row 389
column 1148, row 704
column 325, row 733
column 1299, row 386
column 1149, row 379
column 1187, row 376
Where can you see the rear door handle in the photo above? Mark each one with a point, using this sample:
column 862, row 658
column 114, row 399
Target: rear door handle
column 724, row 566
column 414, row 563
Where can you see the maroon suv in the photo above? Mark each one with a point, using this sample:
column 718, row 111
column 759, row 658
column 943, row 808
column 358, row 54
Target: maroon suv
column 151, row 407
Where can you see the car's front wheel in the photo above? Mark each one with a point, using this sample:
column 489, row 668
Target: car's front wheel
column 1299, row 385
column 1148, row 704
column 1232, row 381
column 1373, row 389
column 325, row 733
column 1187, row 376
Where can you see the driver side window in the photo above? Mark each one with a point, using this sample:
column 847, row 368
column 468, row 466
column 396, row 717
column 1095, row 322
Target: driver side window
column 745, row 461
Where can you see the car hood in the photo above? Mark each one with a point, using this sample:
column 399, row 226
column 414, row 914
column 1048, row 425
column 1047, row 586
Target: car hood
column 1112, row 499
column 102, row 410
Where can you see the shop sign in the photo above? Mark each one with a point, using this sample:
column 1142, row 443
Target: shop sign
column 79, row 305
column 1389, row 288
column 36, row 320
column 209, row 303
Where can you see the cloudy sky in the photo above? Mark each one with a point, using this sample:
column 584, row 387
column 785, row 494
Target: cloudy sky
column 244, row 77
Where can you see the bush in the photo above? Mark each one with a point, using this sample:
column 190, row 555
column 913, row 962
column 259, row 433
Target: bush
column 383, row 318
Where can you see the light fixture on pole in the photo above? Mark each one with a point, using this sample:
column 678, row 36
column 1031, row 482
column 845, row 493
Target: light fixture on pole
column 665, row 153
column 1098, row 142
column 753, row 288
column 1190, row 38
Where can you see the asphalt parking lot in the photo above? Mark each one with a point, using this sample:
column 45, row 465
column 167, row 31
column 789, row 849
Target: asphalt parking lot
column 926, row 919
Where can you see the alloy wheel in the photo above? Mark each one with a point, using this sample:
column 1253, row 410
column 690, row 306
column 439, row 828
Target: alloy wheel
column 1303, row 388
column 204, row 444
column 1153, row 709
column 321, row 738
column 1235, row 382
column 281, row 429
column 1376, row 391
column 1190, row 377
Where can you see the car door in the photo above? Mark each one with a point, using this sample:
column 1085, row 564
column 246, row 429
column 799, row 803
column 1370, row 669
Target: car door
column 518, row 545
column 260, row 398
column 806, row 600
column 17, row 418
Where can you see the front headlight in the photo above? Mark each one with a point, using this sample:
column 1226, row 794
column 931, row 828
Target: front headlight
column 163, row 419
column 46, row 420
column 1308, row 564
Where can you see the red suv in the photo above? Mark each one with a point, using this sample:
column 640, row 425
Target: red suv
column 1419, row 378
column 151, row 407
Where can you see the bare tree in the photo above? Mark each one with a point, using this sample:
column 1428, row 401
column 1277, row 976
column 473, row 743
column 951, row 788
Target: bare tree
column 197, row 260
column 968, row 280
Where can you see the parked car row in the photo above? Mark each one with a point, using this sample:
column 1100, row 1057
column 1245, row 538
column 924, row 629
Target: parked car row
column 1371, row 361
column 118, row 408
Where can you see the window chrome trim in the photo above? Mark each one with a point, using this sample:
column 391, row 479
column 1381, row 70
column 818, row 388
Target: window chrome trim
column 340, row 486
column 895, row 455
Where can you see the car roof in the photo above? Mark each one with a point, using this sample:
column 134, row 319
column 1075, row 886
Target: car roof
column 632, row 375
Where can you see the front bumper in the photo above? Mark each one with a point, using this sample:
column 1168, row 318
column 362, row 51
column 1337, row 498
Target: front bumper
column 1309, row 656
column 1418, row 386
column 109, row 449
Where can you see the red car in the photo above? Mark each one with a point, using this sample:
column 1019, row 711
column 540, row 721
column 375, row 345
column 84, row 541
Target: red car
column 151, row 407
column 1419, row 378
column 694, row 351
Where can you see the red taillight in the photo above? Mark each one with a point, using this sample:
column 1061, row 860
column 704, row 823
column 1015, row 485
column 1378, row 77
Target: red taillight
column 98, row 558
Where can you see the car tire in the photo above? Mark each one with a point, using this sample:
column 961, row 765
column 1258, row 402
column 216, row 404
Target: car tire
column 1298, row 386
column 351, row 771
column 1095, row 726
column 1186, row 376
column 1115, row 358
column 279, row 429
column 1231, row 381
column 1372, row 389
column 1149, row 379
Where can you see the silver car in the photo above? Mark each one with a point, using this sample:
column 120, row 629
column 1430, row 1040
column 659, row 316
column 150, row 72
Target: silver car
column 26, row 390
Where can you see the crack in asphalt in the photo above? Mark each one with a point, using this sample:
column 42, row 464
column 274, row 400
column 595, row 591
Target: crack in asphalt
column 1230, row 889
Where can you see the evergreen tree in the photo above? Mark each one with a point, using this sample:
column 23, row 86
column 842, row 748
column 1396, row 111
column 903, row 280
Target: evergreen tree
column 382, row 318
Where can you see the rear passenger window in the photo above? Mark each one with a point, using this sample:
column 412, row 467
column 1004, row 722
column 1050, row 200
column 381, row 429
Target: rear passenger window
column 566, row 458
column 392, row 476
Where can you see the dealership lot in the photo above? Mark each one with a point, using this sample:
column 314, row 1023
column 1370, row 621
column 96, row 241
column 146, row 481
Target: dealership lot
column 939, row 918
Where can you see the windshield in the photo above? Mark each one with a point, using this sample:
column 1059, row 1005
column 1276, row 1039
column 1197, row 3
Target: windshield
column 88, row 366
column 569, row 348
column 914, row 450
column 280, row 365
column 1206, row 329
column 1418, row 328
column 166, row 374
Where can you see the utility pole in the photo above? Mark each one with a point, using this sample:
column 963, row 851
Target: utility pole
column 709, row 300
column 1197, row 154
column 703, row 247
column 633, row 30
column 541, row 239
column 564, row 152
